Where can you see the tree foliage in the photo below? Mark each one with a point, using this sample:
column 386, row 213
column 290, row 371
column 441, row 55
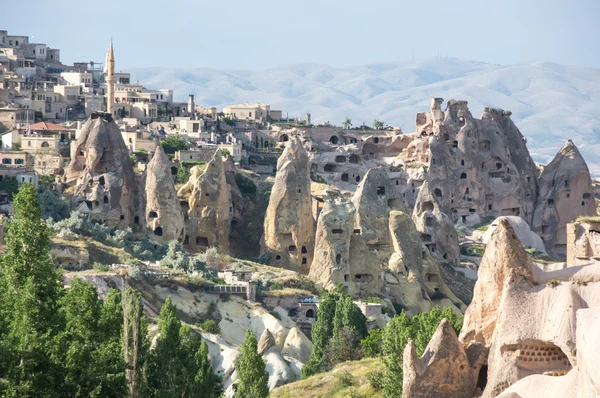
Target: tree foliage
column 52, row 205
column 174, row 143
column 253, row 379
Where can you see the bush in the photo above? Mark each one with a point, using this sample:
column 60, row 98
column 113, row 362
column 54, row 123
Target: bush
column 210, row 326
column 345, row 379
column 372, row 344
column 376, row 380
column 10, row 186
column 174, row 143
column 52, row 205
column 213, row 259
column 100, row 267
column 183, row 175
column 246, row 185
column 317, row 178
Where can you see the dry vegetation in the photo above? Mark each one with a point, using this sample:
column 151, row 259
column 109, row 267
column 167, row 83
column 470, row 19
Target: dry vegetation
column 348, row 379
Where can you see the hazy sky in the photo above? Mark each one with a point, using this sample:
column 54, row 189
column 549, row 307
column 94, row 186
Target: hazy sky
column 234, row 34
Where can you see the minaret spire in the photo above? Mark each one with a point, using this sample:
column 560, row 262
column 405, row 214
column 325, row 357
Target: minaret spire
column 110, row 79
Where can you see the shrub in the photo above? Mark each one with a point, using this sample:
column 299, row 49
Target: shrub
column 213, row 259
column 174, row 143
column 553, row 283
column 10, row 186
column 371, row 345
column 52, row 205
column 246, row 185
column 345, row 379
column 317, row 178
column 100, row 267
column 376, row 379
column 183, row 175
column 210, row 326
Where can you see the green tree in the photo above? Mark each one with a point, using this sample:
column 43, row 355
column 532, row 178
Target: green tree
column 134, row 341
column 164, row 368
column 349, row 327
column 377, row 124
column 372, row 344
column 52, row 205
column 253, row 379
column 347, row 123
column 174, row 143
column 183, row 175
column 322, row 332
column 30, row 290
column 91, row 342
column 10, row 186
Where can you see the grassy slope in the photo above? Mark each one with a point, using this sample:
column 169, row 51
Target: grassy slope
column 330, row 384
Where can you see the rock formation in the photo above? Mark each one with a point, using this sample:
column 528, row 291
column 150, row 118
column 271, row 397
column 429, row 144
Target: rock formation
column 527, row 237
column 289, row 223
column 101, row 170
column 206, row 200
column 443, row 371
column 525, row 323
column 163, row 216
column 371, row 246
column 476, row 167
column 583, row 242
column 565, row 193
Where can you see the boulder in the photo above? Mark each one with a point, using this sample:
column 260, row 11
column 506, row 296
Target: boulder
column 279, row 371
column 297, row 346
column 265, row 342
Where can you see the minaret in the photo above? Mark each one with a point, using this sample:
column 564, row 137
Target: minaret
column 110, row 80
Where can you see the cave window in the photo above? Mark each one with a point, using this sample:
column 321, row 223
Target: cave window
column 292, row 248
column 201, row 241
column 569, row 195
column 445, row 256
column 428, row 206
column 81, row 153
column 433, row 160
column 310, row 313
column 490, row 206
column 152, row 214
column 336, row 231
column 186, row 240
column 376, row 140
column 206, row 194
column 333, row 140
column 329, row 168
column 105, row 199
column 380, row 191
column 395, row 203
column 397, row 182
column 122, row 217
column 482, row 378
column 304, row 249
column 429, row 222
column 467, row 191
column 587, row 196
column 550, row 202
column 346, row 277
column 136, row 219
column 357, row 178
column 174, row 170
column 528, row 179
column 340, row 159
column 354, row 159
column 583, row 203
column 462, row 162
column 463, row 176
column 356, row 232
column 438, row 192
column 455, row 144
column 338, row 259
column 158, row 231
column 278, row 257
column 101, row 180
column 566, row 183
column 424, row 255
column 464, row 219
column 304, row 260
column 345, row 177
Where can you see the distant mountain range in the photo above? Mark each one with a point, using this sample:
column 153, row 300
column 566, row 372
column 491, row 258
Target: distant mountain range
column 549, row 102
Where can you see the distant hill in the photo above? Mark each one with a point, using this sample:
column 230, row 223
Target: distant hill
column 550, row 102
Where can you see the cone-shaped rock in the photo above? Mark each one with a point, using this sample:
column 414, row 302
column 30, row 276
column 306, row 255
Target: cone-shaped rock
column 164, row 216
column 565, row 193
column 443, row 371
column 206, row 198
column 504, row 261
column 102, row 173
column 289, row 223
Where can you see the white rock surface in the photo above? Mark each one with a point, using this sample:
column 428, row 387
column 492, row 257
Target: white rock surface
column 297, row 346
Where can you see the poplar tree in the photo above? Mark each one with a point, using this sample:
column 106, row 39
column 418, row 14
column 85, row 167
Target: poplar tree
column 30, row 289
column 250, row 367
column 134, row 340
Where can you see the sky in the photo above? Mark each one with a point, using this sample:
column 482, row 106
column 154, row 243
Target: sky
column 235, row 34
